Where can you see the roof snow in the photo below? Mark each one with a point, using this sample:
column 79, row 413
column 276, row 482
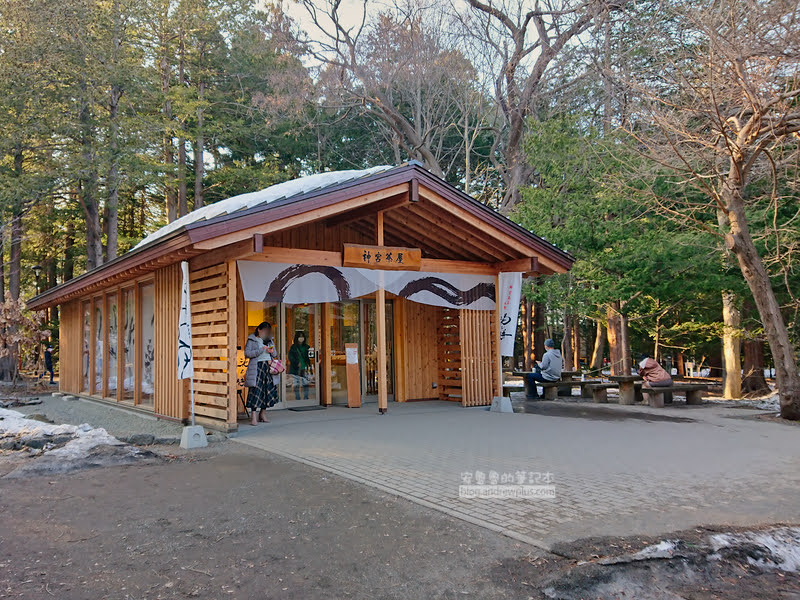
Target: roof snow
column 287, row 189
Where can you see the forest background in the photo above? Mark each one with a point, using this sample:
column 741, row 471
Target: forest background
column 656, row 141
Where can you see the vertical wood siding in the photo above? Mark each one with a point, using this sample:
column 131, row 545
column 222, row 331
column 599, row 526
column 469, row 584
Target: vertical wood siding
column 209, row 293
column 169, row 398
column 419, row 352
column 69, row 348
column 448, row 344
column 477, row 356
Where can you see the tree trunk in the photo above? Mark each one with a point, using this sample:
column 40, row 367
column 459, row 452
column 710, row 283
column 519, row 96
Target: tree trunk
column 15, row 259
column 527, row 335
column 625, row 350
column 199, row 163
column 754, row 383
column 599, row 346
column 681, row 365
column 566, row 344
column 168, row 149
column 616, row 339
column 2, row 266
column 741, row 244
column 87, row 186
column 539, row 334
column 68, row 271
column 576, row 341
column 731, row 347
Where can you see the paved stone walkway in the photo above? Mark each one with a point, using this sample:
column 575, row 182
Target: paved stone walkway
column 617, row 470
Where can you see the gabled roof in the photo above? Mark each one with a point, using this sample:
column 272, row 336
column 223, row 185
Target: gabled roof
column 280, row 191
column 242, row 214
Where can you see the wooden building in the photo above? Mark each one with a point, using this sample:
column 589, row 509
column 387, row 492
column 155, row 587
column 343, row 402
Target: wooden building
column 391, row 265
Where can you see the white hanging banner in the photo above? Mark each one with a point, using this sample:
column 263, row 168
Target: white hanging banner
column 185, row 357
column 509, row 295
column 298, row 284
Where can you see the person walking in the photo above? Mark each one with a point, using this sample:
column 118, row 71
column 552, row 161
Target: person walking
column 549, row 369
column 263, row 391
column 48, row 362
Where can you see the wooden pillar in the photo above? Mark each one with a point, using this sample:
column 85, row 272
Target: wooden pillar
column 120, row 347
column 325, row 345
column 498, row 387
column 380, row 316
column 233, row 334
column 399, row 350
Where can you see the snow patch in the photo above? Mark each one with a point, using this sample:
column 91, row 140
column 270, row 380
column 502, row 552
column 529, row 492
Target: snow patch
column 782, row 547
column 13, row 422
column 86, row 440
column 287, row 189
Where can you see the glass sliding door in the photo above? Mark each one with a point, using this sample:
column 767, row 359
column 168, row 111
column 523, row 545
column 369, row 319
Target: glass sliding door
column 300, row 342
column 128, row 345
column 344, row 329
column 369, row 351
column 86, row 340
column 147, row 295
column 97, row 388
column 113, row 325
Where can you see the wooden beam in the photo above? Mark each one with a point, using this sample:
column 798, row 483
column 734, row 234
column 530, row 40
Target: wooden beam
column 522, row 265
column 413, row 190
column 468, row 217
column 477, row 237
column 435, row 265
column 368, row 211
column 380, row 316
column 258, row 242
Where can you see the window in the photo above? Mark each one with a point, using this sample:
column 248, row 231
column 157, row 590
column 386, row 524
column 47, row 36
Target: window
column 86, row 334
column 128, row 343
column 97, row 388
column 147, row 297
column 113, row 326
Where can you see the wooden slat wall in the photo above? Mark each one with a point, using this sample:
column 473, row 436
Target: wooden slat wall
column 419, row 352
column 69, row 348
column 449, row 356
column 477, row 355
column 209, row 289
column 318, row 236
column 169, row 399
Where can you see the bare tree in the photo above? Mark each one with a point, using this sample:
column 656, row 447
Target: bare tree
column 397, row 68
column 720, row 109
column 520, row 44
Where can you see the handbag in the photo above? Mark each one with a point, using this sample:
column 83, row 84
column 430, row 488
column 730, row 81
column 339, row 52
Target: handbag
column 276, row 367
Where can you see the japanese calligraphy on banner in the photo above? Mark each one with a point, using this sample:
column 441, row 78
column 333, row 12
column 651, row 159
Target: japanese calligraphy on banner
column 509, row 294
column 297, row 284
column 386, row 258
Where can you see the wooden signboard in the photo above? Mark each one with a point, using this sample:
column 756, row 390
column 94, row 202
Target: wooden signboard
column 387, row 258
column 353, row 376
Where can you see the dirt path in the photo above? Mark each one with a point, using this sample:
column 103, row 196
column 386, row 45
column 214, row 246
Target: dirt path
column 235, row 523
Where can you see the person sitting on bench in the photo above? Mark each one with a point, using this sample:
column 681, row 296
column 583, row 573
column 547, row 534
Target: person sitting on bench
column 652, row 373
column 550, row 369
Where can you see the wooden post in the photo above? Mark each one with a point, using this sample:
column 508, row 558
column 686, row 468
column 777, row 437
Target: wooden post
column 380, row 316
column 325, row 345
column 498, row 388
column 233, row 330
column 137, row 345
column 399, row 350
column 120, row 348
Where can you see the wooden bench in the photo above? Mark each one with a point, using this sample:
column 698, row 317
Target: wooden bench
column 553, row 389
column 599, row 391
column 513, row 387
column 693, row 392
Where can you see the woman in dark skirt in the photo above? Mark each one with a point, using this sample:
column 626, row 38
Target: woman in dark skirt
column 263, row 392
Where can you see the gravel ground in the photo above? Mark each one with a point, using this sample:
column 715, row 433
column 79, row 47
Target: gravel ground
column 122, row 424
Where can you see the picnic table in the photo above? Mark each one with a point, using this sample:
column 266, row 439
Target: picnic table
column 627, row 389
column 560, row 387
